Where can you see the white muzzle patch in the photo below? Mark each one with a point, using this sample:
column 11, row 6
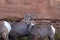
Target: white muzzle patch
column 7, row 25
column 53, row 29
column 32, row 24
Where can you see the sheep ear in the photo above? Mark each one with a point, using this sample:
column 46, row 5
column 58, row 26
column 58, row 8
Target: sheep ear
column 33, row 15
column 25, row 15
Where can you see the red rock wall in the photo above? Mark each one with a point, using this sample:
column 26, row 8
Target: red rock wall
column 42, row 8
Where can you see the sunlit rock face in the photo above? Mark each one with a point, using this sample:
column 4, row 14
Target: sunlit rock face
column 49, row 9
